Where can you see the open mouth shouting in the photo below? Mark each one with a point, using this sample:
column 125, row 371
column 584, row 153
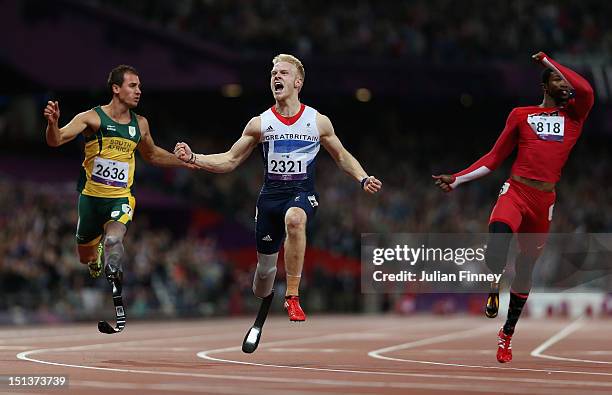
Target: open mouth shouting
column 278, row 87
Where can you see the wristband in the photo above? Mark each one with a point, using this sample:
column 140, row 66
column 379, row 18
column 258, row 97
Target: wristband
column 363, row 182
column 192, row 159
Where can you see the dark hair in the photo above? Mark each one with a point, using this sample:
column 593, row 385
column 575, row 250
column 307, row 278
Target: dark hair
column 116, row 75
column 546, row 75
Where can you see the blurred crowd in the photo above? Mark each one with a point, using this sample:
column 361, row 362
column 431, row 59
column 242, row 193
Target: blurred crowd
column 438, row 30
column 168, row 273
column 402, row 141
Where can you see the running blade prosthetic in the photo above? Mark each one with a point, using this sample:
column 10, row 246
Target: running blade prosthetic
column 251, row 340
column 114, row 277
column 492, row 306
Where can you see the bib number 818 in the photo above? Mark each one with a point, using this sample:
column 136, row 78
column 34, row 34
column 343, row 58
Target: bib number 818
column 539, row 126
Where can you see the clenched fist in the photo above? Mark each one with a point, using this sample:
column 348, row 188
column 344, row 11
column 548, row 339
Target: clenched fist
column 183, row 152
column 444, row 182
column 52, row 112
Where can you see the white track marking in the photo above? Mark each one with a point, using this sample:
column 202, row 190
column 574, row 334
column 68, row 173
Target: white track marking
column 267, row 379
column 538, row 352
column 429, row 340
column 460, row 335
column 437, row 339
column 566, row 331
column 346, row 383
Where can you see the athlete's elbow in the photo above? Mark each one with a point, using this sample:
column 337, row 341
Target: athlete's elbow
column 586, row 91
column 149, row 158
column 51, row 142
column 341, row 160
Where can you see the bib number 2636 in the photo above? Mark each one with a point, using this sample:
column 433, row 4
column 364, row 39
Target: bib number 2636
column 110, row 172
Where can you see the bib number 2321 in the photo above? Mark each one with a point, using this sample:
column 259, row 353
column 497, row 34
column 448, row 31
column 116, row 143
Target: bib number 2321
column 110, row 172
column 287, row 167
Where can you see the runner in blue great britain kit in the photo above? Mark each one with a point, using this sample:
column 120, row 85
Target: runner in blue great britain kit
column 289, row 135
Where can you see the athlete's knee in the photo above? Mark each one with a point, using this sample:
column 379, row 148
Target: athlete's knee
column 111, row 241
column 295, row 221
column 265, row 274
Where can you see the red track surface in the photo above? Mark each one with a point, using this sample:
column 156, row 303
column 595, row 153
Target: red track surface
column 325, row 355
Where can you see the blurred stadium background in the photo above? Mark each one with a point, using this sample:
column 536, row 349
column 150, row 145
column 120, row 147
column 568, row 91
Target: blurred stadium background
column 413, row 88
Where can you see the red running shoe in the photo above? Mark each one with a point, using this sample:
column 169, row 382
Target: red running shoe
column 504, row 347
column 292, row 304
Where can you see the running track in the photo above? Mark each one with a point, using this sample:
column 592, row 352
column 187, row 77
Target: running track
column 326, row 355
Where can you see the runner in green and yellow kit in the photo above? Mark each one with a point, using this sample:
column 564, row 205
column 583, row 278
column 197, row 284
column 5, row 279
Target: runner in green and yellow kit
column 112, row 133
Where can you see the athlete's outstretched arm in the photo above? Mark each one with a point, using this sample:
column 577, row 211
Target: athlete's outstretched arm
column 56, row 136
column 343, row 158
column 584, row 96
column 226, row 161
column 503, row 147
column 150, row 152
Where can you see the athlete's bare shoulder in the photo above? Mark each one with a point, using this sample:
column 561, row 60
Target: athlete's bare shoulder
column 324, row 125
column 143, row 124
column 253, row 127
column 91, row 119
column 89, row 116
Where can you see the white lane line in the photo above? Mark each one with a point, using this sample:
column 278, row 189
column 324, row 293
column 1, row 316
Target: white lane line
column 262, row 379
column 460, row 335
column 346, row 383
column 430, row 340
column 538, row 352
column 266, row 379
column 207, row 355
column 563, row 333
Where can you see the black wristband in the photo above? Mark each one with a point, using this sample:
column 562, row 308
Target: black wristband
column 192, row 159
column 363, row 182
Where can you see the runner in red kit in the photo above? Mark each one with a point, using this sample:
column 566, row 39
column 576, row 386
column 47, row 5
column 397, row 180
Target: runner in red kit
column 544, row 135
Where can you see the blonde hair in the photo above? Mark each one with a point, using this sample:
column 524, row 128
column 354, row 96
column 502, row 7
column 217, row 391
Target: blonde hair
column 293, row 60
